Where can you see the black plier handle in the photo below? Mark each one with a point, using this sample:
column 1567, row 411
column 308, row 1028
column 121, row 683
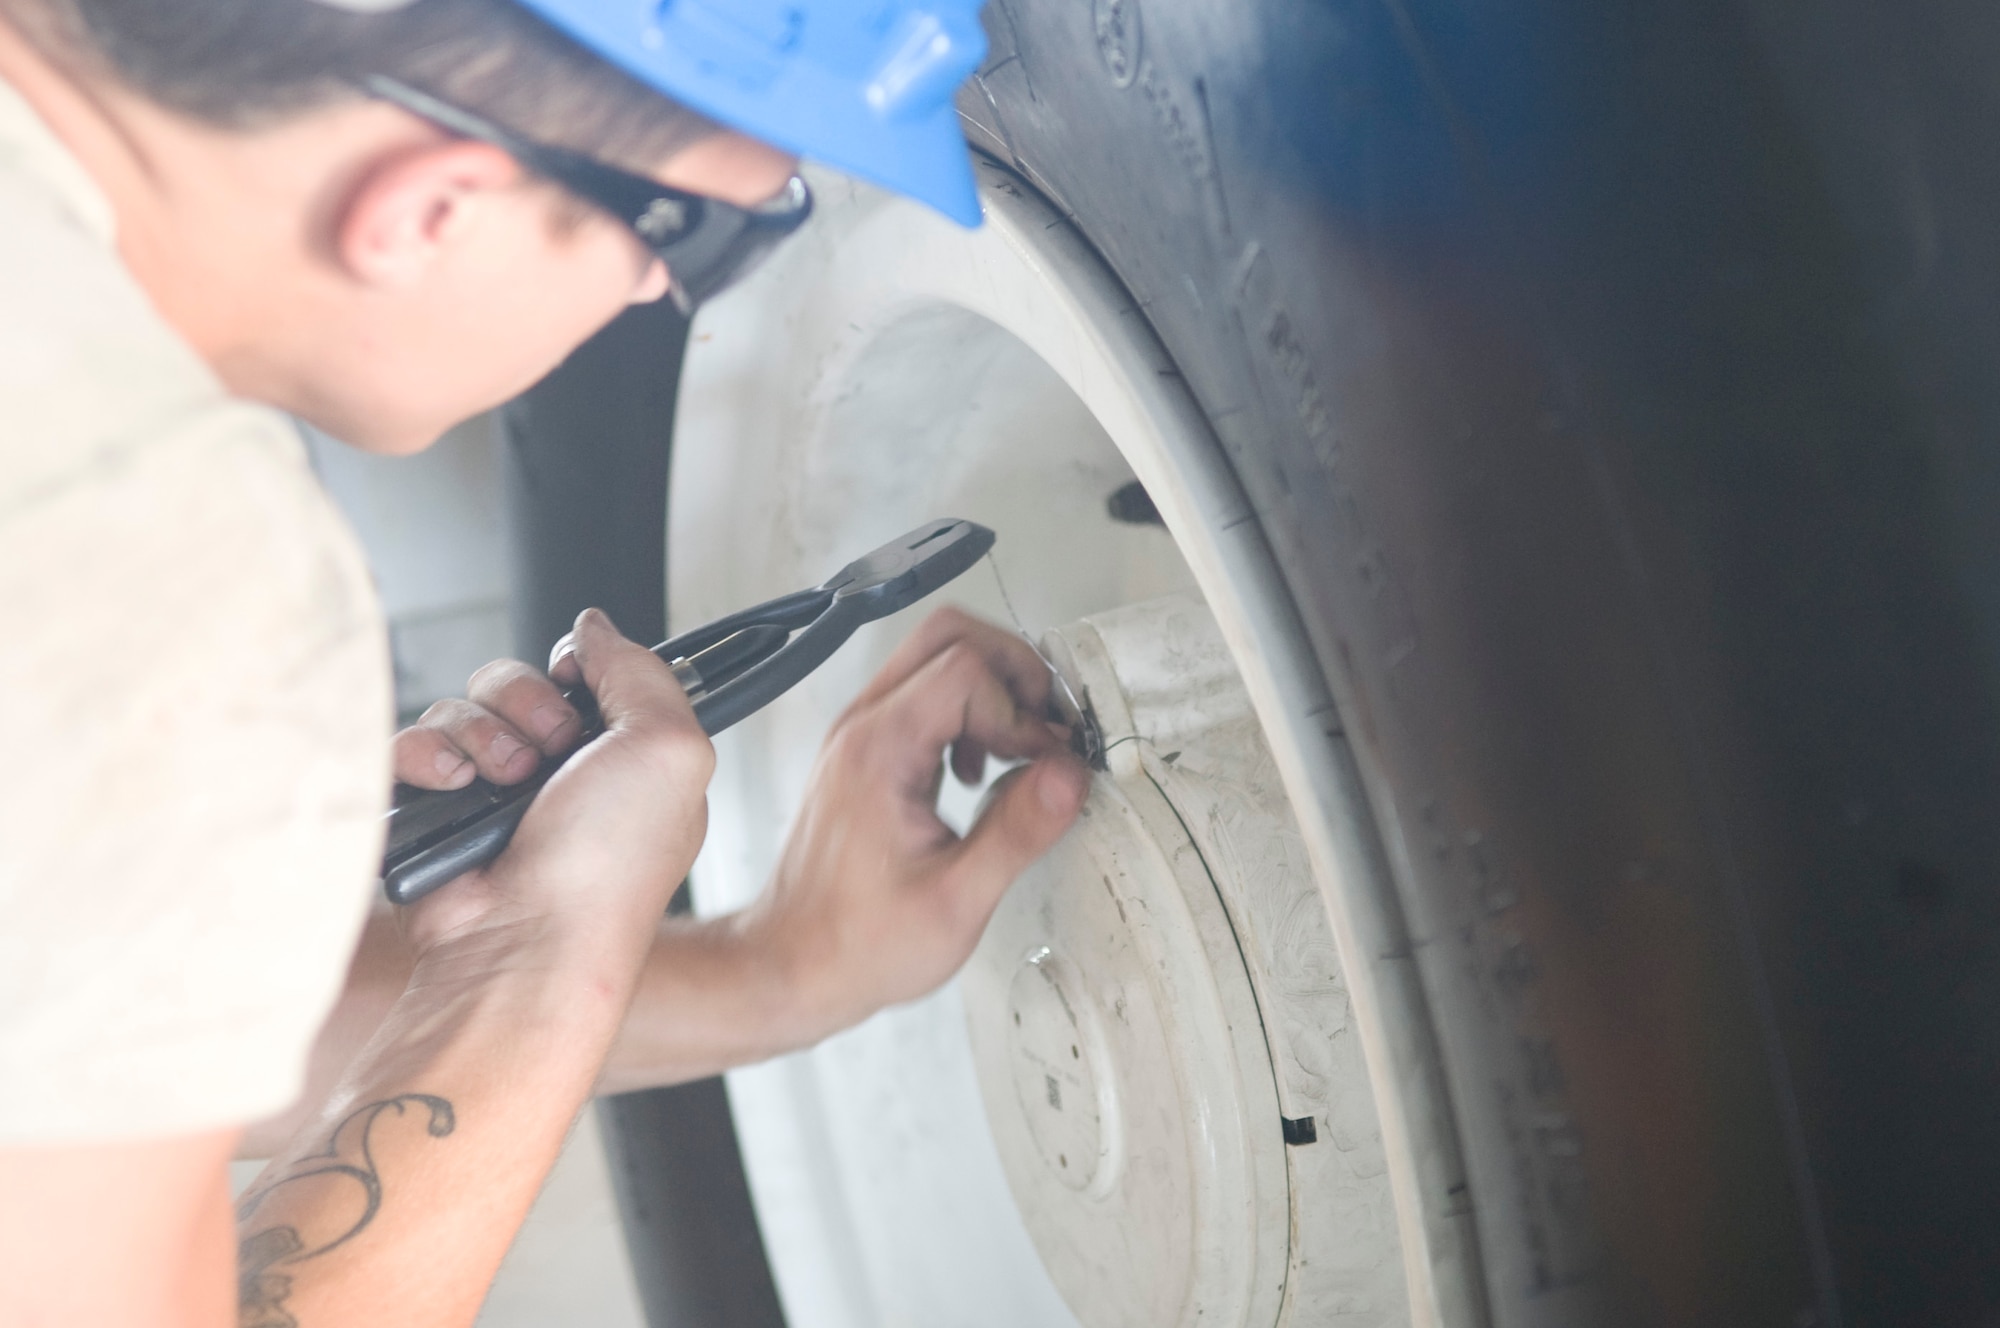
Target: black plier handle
column 731, row 668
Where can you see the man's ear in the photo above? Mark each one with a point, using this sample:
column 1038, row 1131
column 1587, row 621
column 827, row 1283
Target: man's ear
column 411, row 207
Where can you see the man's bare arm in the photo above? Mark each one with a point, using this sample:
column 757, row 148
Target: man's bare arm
column 397, row 1202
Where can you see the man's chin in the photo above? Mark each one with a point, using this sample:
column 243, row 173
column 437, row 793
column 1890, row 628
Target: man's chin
column 381, row 437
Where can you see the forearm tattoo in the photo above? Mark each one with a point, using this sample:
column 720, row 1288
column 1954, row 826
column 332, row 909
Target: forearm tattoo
column 262, row 1288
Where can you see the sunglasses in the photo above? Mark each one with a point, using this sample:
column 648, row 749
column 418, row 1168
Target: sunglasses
column 706, row 244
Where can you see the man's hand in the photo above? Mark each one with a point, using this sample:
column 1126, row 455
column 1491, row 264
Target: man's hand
column 611, row 836
column 875, row 899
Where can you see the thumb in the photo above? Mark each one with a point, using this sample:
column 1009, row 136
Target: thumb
column 1030, row 814
column 630, row 683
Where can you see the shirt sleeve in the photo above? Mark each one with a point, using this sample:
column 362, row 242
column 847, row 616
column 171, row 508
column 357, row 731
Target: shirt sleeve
column 195, row 698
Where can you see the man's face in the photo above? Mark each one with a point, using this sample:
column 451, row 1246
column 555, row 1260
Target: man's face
column 467, row 283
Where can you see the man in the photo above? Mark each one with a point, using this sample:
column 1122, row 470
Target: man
column 217, row 210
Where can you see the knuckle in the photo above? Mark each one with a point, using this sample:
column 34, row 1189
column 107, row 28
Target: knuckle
column 462, row 720
column 972, row 680
column 524, row 689
column 1023, row 653
column 496, row 673
column 504, row 684
column 847, row 740
column 435, row 716
column 962, row 664
column 415, row 743
column 466, row 717
column 951, row 618
column 864, row 751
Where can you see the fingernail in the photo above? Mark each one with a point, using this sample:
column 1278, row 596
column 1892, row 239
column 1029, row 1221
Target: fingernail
column 1061, row 787
column 597, row 619
column 506, row 747
column 448, row 764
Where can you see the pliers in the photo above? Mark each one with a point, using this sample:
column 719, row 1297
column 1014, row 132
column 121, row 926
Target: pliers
column 731, row 668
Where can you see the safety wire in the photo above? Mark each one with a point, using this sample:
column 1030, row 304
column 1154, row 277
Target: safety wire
column 1088, row 741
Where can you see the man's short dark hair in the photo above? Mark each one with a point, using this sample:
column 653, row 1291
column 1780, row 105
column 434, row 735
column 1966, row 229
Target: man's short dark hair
column 243, row 64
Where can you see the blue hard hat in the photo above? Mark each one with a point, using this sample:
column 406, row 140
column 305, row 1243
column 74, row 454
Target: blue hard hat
column 865, row 86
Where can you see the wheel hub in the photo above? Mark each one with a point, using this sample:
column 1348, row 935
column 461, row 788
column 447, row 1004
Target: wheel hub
column 1115, row 1009
column 1125, row 1019
column 1053, row 1044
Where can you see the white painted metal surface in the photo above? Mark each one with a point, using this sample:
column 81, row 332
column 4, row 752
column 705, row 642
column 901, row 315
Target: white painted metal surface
column 1171, row 967
column 889, row 368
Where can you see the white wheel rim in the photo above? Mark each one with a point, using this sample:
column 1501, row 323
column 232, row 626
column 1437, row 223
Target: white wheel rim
column 804, row 436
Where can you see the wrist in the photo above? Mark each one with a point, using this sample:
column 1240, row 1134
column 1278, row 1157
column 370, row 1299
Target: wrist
column 771, row 982
column 549, row 981
column 496, row 923
column 795, row 968
column 716, row 993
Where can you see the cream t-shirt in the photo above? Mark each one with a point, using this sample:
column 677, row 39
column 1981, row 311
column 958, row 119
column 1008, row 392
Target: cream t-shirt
column 195, row 703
